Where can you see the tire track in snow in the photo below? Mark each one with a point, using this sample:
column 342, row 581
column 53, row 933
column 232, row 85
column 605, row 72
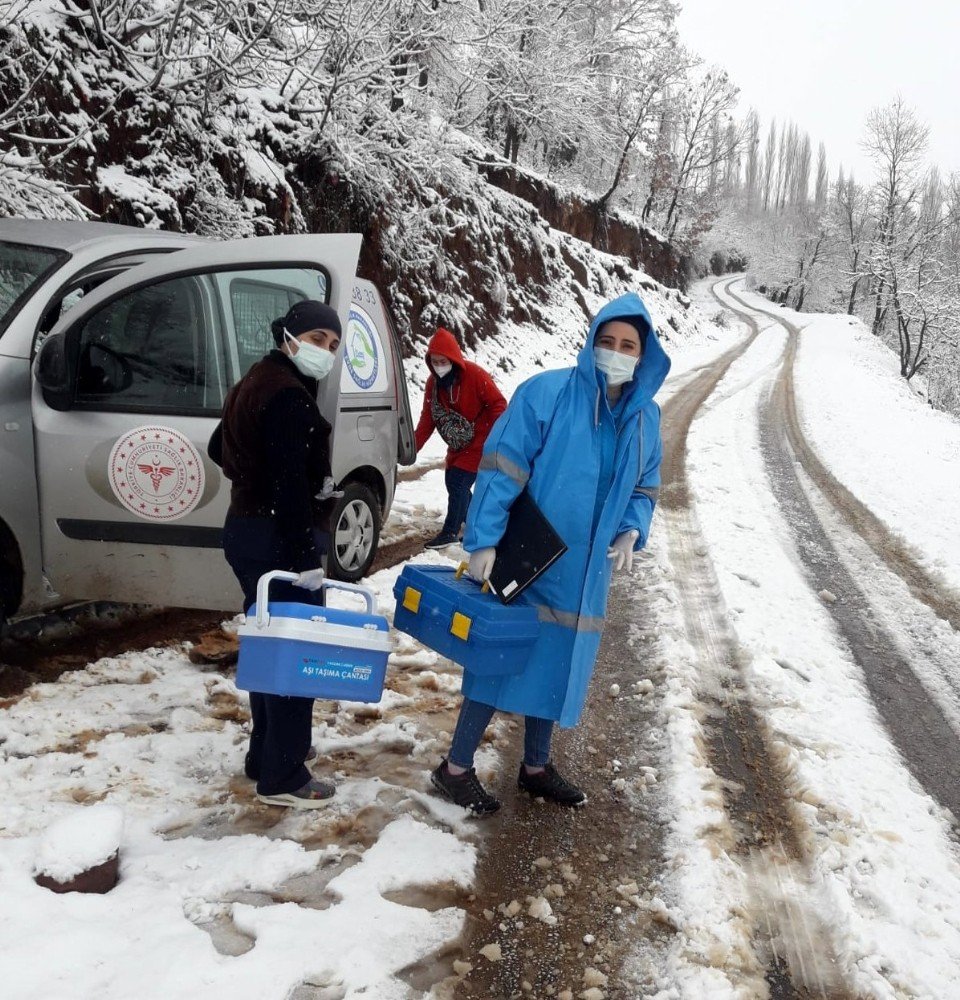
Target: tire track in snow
column 890, row 548
column 916, row 723
column 789, row 939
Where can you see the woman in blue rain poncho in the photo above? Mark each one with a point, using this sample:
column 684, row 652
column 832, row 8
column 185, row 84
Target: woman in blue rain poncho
column 585, row 442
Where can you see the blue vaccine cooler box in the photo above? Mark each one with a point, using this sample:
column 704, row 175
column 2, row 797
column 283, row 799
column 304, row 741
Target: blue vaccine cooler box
column 452, row 614
column 311, row 651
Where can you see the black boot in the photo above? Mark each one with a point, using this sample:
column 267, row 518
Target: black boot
column 549, row 784
column 441, row 541
column 464, row 789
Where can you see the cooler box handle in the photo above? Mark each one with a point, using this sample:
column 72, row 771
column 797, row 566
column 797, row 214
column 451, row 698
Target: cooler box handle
column 263, row 591
column 462, row 568
column 354, row 588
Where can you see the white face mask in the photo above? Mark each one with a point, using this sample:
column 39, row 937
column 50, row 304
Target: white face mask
column 314, row 362
column 442, row 370
column 618, row 368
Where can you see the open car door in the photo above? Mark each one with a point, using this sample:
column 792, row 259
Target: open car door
column 131, row 506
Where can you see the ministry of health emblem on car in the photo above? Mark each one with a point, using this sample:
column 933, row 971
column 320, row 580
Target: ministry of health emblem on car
column 156, row 473
column 361, row 354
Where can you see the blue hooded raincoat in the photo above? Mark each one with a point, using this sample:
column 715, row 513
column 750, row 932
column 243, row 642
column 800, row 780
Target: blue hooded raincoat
column 595, row 473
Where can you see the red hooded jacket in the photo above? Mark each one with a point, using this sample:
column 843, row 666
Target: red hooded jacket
column 473, row 394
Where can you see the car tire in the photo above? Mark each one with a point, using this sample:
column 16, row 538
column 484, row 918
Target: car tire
column 354, row 533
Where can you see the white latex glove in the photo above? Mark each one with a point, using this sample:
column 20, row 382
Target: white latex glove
column 621, row 552
column 481, row 564
column 311, row 579
column 329, row 491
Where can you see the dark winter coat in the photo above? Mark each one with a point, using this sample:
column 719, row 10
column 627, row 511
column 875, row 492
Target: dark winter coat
column 274, row 447
column 473, row 393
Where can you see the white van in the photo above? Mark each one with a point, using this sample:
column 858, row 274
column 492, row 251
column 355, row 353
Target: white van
column 117, row 349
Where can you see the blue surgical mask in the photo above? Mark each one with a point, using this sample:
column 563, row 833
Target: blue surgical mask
column 618, row 368
column 312, row 361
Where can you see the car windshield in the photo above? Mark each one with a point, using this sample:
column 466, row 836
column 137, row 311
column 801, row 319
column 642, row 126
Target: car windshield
column 22, row 268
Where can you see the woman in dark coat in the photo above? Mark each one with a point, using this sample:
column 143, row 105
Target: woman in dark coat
column 274, row 447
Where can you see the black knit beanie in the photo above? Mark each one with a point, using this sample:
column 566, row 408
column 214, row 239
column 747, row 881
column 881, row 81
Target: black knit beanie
column 306, row 315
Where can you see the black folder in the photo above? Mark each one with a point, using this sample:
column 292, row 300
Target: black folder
column 529, row 547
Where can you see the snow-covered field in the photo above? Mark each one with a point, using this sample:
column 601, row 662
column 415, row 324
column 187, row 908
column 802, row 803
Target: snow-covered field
column 220, row 896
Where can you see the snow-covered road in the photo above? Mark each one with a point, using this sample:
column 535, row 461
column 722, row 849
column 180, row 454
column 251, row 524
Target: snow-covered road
column 824, row 866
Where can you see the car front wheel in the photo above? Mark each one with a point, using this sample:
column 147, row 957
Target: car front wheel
column 355, row 532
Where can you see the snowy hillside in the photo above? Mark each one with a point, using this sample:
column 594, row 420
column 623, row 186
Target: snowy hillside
column 249, row 155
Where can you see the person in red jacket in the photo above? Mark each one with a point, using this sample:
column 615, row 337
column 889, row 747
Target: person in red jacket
column 462, row 402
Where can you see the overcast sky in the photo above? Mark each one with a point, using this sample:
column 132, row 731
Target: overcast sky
column 825, row 63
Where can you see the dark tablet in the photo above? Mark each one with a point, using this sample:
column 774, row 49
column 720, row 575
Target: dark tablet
column 529, row 547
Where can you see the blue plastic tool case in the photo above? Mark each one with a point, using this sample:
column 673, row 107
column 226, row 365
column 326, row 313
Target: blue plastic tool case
column 311, row 651
column 453, row 616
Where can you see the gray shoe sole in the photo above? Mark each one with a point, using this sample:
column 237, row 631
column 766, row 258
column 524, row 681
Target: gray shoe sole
column 292, row 801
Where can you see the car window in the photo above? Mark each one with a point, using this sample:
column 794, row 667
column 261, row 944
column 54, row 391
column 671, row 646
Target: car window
column 254, row 306
column 155, row 349
column 254, row 299
column 56, row 310
column 176, row 346
column 59, row 304
column 22, row 268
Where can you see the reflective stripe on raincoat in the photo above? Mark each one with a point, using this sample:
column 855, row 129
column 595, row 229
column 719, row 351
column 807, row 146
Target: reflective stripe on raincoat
column 550, row 440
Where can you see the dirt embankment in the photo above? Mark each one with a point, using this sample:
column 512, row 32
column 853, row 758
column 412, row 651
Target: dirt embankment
column 43, row 649
column 605, row 230
column 467, row 251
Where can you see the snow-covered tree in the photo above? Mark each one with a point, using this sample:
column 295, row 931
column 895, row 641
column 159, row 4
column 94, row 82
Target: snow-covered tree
column 850, row 209
column 751, row 180
column 896, row 141
column 680, row 200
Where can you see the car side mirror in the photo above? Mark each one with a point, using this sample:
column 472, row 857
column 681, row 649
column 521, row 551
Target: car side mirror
column 51, row 368
column 103, row 371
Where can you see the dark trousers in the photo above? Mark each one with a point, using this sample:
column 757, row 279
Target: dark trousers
column 459, row 483
column 474, row 718
column 281, row 726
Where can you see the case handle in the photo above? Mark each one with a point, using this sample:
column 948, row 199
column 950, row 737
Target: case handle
column 263, row 592
column 462, row 568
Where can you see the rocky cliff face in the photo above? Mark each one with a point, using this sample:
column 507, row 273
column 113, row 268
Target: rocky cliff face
column 579, row 216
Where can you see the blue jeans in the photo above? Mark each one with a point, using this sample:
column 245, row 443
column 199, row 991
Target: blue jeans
column 459, row 483
column 474, row 719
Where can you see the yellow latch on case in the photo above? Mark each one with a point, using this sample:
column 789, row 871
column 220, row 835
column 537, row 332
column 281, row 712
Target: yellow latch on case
column 411, row 600
column 460, row 627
